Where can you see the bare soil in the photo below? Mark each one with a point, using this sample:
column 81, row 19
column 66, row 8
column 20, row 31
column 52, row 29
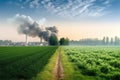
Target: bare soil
column 58, row 69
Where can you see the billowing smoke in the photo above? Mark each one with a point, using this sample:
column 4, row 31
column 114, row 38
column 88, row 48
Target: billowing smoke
column 52, row 29
column 30, row 27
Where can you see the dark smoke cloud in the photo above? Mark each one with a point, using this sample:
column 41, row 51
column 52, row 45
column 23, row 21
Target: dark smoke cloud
column 53, row 30
column 30, row 27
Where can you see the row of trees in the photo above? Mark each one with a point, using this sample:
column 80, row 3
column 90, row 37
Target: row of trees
column 5, row 42
column 104, row 41
column 53, row 40
column 111, row 41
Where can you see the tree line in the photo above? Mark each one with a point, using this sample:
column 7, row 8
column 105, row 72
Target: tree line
column 104, row 41
column 53, row 40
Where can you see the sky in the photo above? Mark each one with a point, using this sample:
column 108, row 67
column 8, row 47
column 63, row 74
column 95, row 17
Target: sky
column 75, row 19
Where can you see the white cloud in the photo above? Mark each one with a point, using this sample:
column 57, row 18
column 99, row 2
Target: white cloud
column 71, row 8
column 107, row 2
column 34, row 3
column 77, row 7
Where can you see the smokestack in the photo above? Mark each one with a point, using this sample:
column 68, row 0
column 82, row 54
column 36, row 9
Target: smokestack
column 26, row 43
column 40, row 40
column 30, row 27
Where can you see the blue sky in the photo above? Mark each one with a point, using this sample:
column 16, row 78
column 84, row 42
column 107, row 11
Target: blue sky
column 66, row 14
column 61, row 9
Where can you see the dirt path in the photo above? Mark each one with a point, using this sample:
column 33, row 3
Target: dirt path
column 58, row 70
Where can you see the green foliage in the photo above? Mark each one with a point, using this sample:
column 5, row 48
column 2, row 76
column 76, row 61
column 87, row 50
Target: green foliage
column 101, row 61
column 23, row 62
column 53, row 40
column 104, row 69
column 115, row 63
column 64, row 41
column 116, row 76
column 89, row 72
column 81, row 66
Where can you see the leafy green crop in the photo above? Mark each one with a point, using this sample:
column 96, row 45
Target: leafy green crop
column 101, row 61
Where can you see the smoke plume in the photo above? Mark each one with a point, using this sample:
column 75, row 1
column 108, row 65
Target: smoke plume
column 30, row 27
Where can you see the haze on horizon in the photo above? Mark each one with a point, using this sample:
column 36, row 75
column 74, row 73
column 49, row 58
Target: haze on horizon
column 74, row 19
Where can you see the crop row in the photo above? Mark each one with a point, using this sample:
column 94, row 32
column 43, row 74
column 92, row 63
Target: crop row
column 23, row 62
column 103, row 62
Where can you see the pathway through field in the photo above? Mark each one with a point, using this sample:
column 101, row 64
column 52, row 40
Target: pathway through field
column 58, row 71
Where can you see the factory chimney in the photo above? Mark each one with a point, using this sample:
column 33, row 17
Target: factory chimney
column 26, row 43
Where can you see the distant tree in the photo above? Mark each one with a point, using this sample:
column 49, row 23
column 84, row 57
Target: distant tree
column 116, row 40
column 64, row 41
column 67, row 41
column 107, row 40
column 104, row 40
column 111, row 41
column 53, row 40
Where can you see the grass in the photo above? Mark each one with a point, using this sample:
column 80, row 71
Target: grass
column 47, row 72
column 23, row 62
column 68, row 69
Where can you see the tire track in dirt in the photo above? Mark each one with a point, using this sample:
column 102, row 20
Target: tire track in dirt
column 58, row 70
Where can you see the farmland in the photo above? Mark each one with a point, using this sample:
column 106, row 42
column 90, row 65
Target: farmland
column 91, row 63
column 18, row 63
column 78, row 63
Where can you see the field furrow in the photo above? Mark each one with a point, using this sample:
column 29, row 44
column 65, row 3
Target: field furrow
column 23, row 63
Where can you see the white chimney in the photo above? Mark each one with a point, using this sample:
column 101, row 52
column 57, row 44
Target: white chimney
column 26, row 43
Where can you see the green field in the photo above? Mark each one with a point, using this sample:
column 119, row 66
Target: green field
column 93, row 63
column 79, row 63
column 18, row 63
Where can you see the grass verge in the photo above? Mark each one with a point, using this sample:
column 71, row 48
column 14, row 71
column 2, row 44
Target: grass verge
column 47, row 72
